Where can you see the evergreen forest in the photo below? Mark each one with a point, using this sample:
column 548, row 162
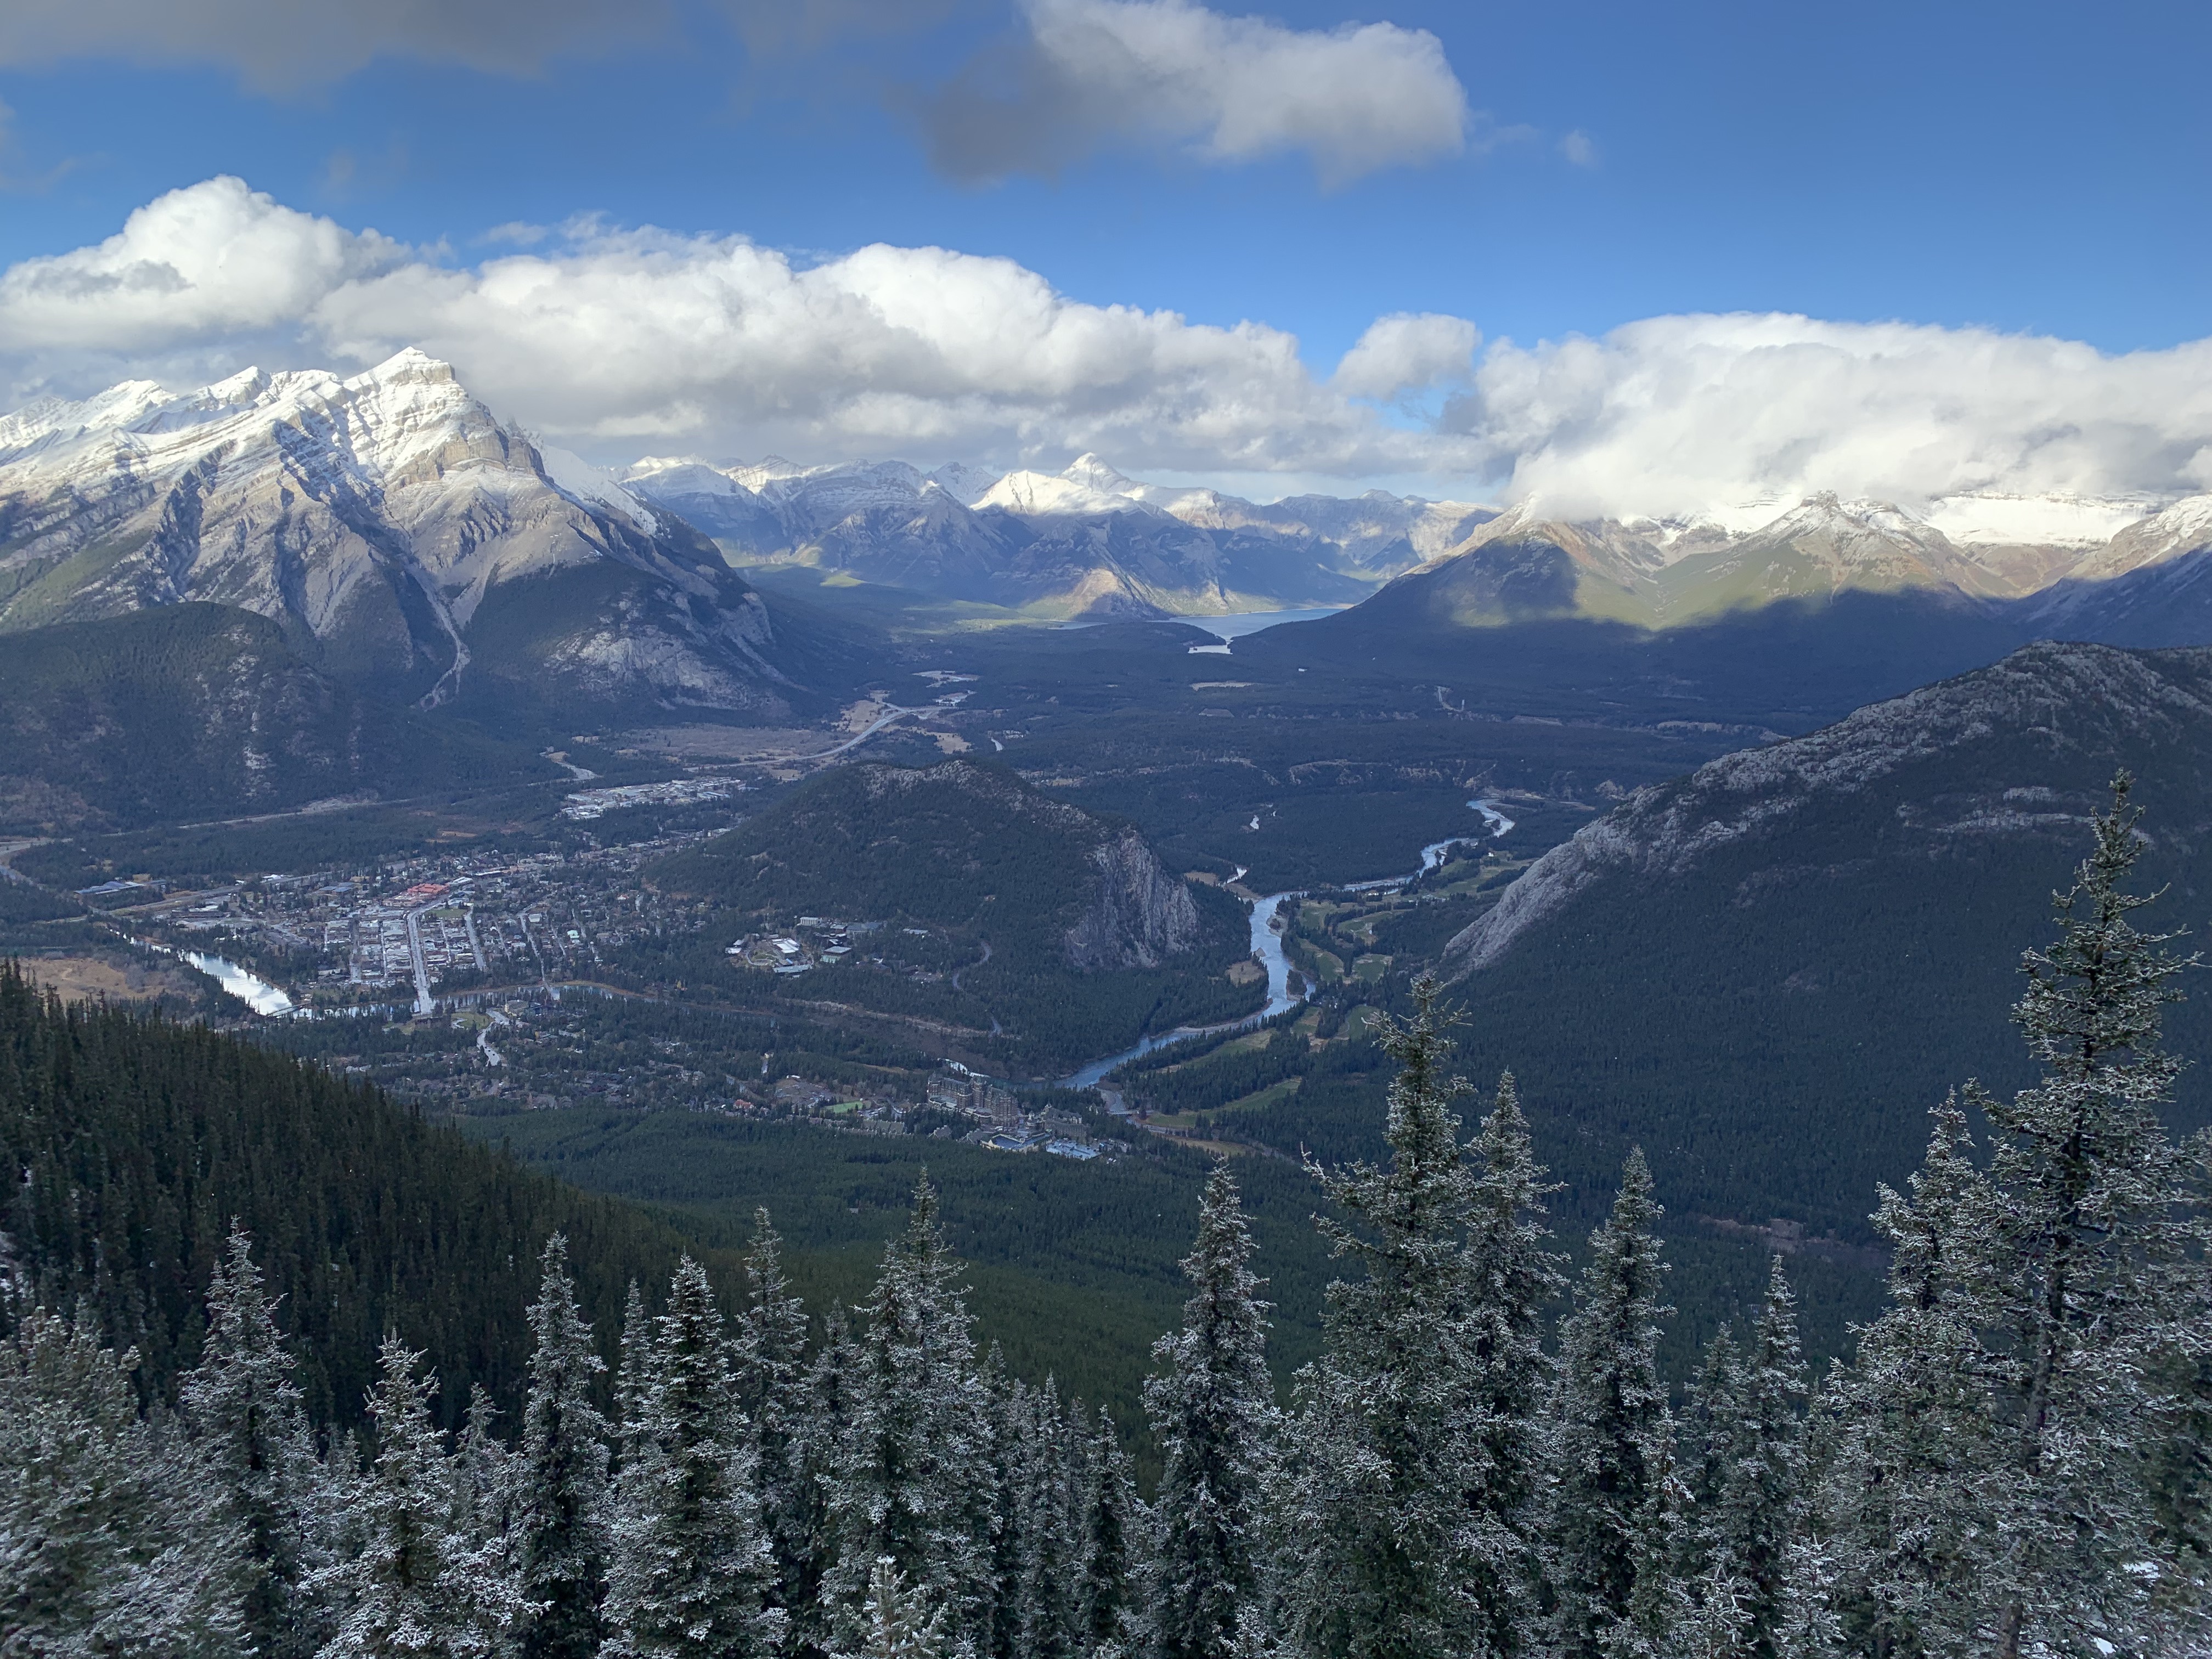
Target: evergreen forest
column 1484, row 1458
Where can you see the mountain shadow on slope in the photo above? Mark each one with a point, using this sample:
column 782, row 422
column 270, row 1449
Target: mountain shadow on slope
column 1767, row 972
column 198, row 710
column 1043, row 934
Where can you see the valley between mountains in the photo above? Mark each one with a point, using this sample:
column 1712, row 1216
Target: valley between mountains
column 710, row 835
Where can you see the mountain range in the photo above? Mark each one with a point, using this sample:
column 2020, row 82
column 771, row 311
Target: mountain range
column 1827, row 929
column 1083, row 541
column 398, row 532
column 407, row 540
column 1089, row 540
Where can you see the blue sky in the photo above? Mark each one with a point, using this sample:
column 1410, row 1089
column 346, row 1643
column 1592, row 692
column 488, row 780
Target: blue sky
column 2028, row 169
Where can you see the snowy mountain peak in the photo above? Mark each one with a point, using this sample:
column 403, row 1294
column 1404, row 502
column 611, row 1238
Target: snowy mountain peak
column 1092, row 473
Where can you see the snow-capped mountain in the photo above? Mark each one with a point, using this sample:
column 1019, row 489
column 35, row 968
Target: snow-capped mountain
column 1667, row 572
column 391, row 522
column 1085, row 539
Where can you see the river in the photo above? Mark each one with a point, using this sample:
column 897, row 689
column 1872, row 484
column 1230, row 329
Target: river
column 256, row 993
column 1267, row 946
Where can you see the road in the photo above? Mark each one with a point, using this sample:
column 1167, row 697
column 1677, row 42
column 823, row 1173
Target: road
column 425, row 1004
column 874, row 726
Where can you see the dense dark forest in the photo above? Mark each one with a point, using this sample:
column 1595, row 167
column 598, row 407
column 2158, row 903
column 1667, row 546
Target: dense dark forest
column 2013, row 1462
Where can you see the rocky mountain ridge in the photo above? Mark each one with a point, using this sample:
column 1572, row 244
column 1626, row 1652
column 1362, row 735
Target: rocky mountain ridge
column 1083, row 541
column 400, row 534
column 2064, row 708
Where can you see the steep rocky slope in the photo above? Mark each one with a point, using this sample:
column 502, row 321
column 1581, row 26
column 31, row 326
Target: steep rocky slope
column 403, row 537
column 1767, row 971
column 203, row 711
column 1032, row 933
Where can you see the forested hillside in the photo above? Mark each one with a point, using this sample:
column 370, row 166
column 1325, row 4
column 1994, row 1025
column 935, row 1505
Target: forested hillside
column 203, row 711
column 1043, row 934
column 132, row 1145
column 2013, row 1462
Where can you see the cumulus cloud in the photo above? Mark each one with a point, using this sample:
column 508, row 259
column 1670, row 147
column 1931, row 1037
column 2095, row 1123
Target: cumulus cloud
column 1408, row 352
column 610, row 341
column 282, row 46
column 1229, row 90
column 607, row 339
column 1579, row 147
column 213, row 261
column 1681, row 415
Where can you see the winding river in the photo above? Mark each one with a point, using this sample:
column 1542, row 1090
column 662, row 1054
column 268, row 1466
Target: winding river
column 1267, row 946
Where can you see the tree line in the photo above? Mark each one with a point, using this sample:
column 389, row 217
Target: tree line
column 2017, row 1460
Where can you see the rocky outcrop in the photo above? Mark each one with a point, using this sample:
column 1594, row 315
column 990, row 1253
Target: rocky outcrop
column 1140, row 916
column 381, row 520
column 1997, row 736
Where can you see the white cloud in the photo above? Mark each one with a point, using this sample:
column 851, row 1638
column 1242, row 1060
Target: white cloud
column 1229, row 89
column 1408, row 352
column 284, row 45
column 613, row 341
column 609, row 339
column 1579, row 147
column 1683, row 414
column 217, row 260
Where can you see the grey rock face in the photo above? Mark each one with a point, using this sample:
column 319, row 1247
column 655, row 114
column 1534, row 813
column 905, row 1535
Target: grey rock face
column 1141, row 916
column 2050, row 698
column 374, row 518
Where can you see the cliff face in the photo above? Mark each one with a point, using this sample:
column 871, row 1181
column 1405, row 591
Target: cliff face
column 2022, row 747
column 1141, row 914
column 405, row 540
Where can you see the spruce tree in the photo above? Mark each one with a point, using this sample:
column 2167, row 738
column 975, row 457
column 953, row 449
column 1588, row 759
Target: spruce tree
column 823, row 1429
column 414, row 1588
column 1213, row 1417
column 1110, row 1613
column 1910, row 1492
column 1513, row 1277
column 690, row 1562
column 634, row 1377
column 1612, row 1430
column 898, row 1624
column 1051, row 1515
column 2098, row 1269
column 114, row 1537
column 907, row 1482
column 1754, row 1516
column 250, row 1434
column 561, row 1493
column 1389, row 1441
column 768, row 1359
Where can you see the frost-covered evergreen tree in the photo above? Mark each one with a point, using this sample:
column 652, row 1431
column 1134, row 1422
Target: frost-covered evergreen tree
column 823, row 1429
column 1051, row 1518
column 114, row 1535
column 1756, row 1438
column 911, row 1480
column 560, row 1495
column 1213, row 1417
column 634, row 1377
column 898, row 1626
column 481, row 1476
column 690, row 1562
column 251, row 1435
column 1110, row 1615
column 1909, row 1494
column 416, row 1587
column 1387, row 1447
column 2098, row 1270
column 1513, row 1276
column 1006, row 1467
column 769, row 1358
column 1611, row 1430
